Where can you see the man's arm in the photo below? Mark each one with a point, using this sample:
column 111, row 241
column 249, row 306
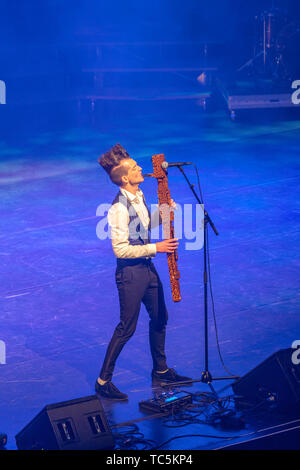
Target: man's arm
column 118, row 219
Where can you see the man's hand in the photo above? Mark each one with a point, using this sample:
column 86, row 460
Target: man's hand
column 167, row 246
column 173, row 205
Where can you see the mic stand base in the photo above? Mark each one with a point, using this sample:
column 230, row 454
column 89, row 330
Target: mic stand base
column 207, row 378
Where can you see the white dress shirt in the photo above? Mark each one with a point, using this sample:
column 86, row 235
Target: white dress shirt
column 118, row 219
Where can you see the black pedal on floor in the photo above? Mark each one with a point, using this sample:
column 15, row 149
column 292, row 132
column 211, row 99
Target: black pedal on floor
column 166, row 402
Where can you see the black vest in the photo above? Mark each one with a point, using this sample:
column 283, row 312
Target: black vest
column 138, row 235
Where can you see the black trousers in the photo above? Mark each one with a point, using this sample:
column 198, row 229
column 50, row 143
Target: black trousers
column 138, row 281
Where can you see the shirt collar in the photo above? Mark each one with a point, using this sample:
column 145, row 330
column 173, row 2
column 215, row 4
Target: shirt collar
column 132, row 197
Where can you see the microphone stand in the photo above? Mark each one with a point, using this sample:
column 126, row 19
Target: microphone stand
column 206, row 376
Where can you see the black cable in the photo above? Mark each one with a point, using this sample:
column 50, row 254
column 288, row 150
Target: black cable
column 210, row 284
column 213, row 310
column 203, row 396
column 194, row 435
column 205, row 411
column 131, row 438
column 199, row 186
column 183, row 418
column 212, row 410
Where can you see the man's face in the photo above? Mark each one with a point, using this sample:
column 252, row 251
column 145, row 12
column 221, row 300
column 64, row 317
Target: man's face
column 134, row 174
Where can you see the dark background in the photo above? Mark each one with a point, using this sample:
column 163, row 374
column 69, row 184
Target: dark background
column 49, row 50
column 56, row 20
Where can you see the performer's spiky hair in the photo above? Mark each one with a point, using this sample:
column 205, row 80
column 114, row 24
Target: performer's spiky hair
column 111, row 163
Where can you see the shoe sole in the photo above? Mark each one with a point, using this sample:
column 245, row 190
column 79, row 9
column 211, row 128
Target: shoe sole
column 161, row 380
column 110, row 398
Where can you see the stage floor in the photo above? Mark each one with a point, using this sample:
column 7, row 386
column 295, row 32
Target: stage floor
column 58, row 297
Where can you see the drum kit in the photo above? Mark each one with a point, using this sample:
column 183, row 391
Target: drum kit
column 276, row 46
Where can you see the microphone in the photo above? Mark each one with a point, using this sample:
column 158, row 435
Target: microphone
column 165, row 165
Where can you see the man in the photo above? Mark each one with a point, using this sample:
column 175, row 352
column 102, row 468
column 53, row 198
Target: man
column 136, row 277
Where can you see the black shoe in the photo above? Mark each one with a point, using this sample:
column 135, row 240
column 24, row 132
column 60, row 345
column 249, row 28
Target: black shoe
column 170, row 376
column 109, row 390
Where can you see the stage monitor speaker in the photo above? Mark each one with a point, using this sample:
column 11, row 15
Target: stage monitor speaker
column 78, row 424
column 276, row 380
